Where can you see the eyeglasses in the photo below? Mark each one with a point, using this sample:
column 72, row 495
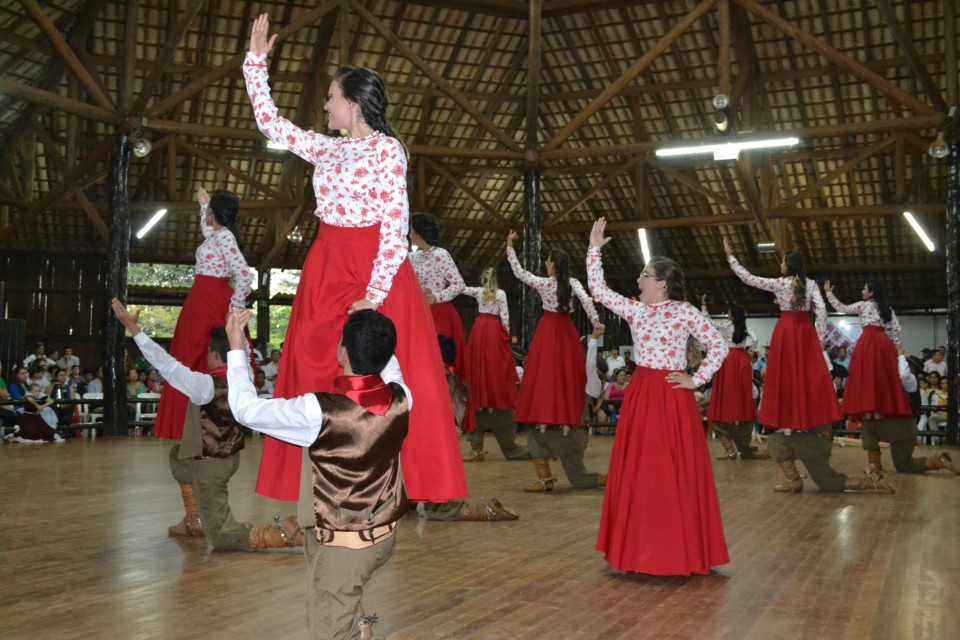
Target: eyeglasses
column 646, row 274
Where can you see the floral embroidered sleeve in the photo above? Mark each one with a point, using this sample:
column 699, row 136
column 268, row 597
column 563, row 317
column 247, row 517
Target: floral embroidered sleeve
column 609, row 298
column 205, row 229
column 308, row 145
column 819, row 308
column 723, row 326
column 708, row 335
column 522, row 274
column 474, row 292
column 585, row 300
column 849, row 309
column 504, row 311
column 751, row 342
column 455, row 283
column 767, row 284
column 894, row 326
column 237, row 269
column 391, row 184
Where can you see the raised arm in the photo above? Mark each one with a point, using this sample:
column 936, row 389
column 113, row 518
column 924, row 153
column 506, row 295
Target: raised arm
column 522, row 274
column 587, row 303
column 395, row 206
column 204, row 199
column 609, row 298
column 451, row 274
column 767, row 284
column 849, row 309
column 894, row 326
column 819, row 308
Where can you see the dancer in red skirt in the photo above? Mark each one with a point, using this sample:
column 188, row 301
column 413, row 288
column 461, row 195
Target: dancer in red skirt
column 491, row 372
column 660, row 510
column 554, row 378
column 358, row 261
column 732, row 408
column 219, row 259
column 437, row 273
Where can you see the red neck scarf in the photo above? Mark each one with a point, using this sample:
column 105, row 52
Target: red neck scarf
column 219, row 372
column 370, row 392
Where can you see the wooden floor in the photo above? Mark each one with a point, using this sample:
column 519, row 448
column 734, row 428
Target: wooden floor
column 84, row 554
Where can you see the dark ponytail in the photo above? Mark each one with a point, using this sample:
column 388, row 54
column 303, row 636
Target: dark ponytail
column 226, row 207
column 880, row 298
column 364, row 87
column 797, row 268
column 426, row 226
column 739, row 323
column 561, row 267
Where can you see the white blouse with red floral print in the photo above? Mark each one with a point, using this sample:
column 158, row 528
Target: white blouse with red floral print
column 726, row 329
column 219, row 257
column 547, row 288
column 358, row 182
column 437, row 271
column 782, row 288
column 497, row 308
column 660, row 331
column 869, row 314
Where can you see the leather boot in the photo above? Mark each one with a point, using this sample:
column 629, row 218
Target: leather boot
column 545, row 481
column 941, row 461
column 730, row 451
column 601, row 480
column 278, row 535
column 873, row 457
column 871, row 481
column 477, row 453
column 793, row 482
column 189, row 526
column 486, row 510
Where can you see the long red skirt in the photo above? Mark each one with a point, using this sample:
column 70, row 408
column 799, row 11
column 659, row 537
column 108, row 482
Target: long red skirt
column 448, row 323
column 555, row 377
column 204, row 309
column 731, row 397
column 797, row 391
column 874, row 381
column 335, row 275
column 491, row 371
column 660, row 512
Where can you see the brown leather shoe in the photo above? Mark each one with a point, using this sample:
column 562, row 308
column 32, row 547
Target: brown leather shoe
column 188, row 527
column 792, row 483
column 870, row 481
column 941, row 461
column 729, row 450
column 486, row 510
column 276, row 536
column 546, row 482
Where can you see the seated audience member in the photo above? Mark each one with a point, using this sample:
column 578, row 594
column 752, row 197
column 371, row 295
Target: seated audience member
column 134, row 389
column 263, row 386
column 936, row 363
column 271, row 368
column 36, row 424
column 59, row 389
column 8, row 417
column 615, row 390
column 68, row 361
column 615, row 361
column 153, row 382
column 39, row 375
column 938, row 398
column 40, row 403
column 76, row 381
column 95, row 384
column 842, row 358
column 38, row 352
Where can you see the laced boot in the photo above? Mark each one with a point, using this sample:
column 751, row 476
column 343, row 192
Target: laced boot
column 873, row 457
column 871, row 481
column 793, row 482
column 545, row 481
column 477, row 453
column 941, row 461
column 189, row 526
column 278, row 535
column 486, row 510
column 730, row 451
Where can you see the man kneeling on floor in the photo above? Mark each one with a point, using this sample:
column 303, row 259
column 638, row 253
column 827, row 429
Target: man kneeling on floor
column 353, row 435
column 208, row 454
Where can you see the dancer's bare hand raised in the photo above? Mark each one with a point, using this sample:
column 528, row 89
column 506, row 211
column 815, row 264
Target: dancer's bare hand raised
column 596, row 234
column 260, row 39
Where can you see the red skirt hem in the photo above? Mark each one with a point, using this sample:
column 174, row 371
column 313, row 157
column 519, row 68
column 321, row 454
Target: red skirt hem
column 491, row 372
column 873, row 385
column 554, row 378
column 731, row 396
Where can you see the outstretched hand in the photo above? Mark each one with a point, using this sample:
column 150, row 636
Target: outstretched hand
column 596, row 234
column 130, row 321
column 827, row 287
column 260, row 40
column 726, row 248
column 512, row 237
column 202, row 196
column 703, row 300
column 598, row 331
column 236, row 323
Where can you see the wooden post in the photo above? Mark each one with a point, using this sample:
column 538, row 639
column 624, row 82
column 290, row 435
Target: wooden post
column 263, row 313
column 531, row 253
column 952, row 246
column 114, row 391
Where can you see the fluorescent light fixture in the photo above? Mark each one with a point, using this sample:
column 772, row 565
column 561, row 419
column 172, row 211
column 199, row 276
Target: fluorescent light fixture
column 727, row 150
column 766, row 246
column 644, row 245
column 275, row 146
column 151, row 223
column 920, row 232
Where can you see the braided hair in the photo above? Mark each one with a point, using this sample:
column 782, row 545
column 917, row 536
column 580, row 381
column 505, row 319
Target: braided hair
column 561, row 269
column 797, row 268
column 226, row 206
column 739, row 323
column 880, row 298
column 425, row 224
column 488, row 279
column 364, row 87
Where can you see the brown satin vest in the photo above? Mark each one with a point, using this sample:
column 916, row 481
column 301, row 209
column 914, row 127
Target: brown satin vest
column 222, row 435
column 357, row 483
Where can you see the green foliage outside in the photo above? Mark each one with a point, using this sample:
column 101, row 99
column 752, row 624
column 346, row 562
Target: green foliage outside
column 159, row 321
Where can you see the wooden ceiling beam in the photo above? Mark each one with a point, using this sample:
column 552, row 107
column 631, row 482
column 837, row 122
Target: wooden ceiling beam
column 913, row 57
column 47, row 26
column 514, row 9
column 693, row 184
column 125, row 84
column 228, row 169
column 56, row 101
column 594, row 190
column 400, row 45
column 534, row 54
column 470, row 193
column 844, row 62
column 628, row 76
column 216, row 74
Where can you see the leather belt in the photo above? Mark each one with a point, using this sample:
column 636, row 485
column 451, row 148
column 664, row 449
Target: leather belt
column 355, row 539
